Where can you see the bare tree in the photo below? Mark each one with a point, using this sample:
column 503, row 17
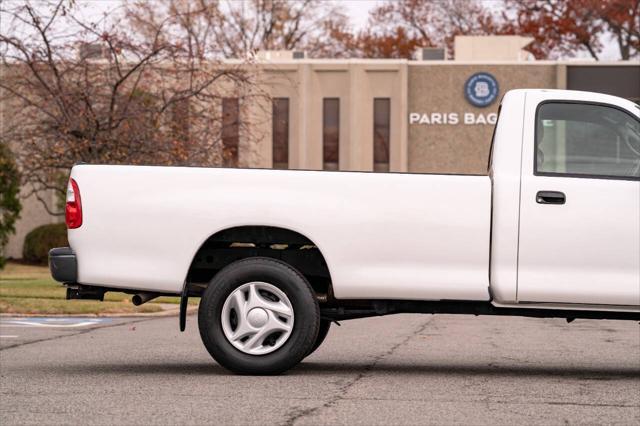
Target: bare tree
column 105, row 92
column 237, row 29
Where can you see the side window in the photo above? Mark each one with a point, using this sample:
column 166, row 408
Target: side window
column 585, row 139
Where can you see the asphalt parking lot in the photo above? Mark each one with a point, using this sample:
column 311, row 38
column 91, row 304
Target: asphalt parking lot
column 403, row 369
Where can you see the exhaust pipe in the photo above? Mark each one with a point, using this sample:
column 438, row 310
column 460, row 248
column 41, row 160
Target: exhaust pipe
column 140, row 298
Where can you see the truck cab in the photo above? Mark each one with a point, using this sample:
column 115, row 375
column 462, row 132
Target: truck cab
column 565, row 172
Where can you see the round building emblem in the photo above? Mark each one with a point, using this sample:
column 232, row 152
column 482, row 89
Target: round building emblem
column 481, row 89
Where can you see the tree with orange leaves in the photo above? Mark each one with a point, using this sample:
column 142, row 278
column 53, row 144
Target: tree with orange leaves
column 561, row 28
column 564, row 27
column 396, row 29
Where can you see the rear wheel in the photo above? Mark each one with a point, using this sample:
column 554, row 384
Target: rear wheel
column 259, row 316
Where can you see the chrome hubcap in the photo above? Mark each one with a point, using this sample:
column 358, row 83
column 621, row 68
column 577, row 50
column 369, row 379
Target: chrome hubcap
column 257, row 318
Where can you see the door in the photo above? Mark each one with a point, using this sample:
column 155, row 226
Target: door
column 580, row 205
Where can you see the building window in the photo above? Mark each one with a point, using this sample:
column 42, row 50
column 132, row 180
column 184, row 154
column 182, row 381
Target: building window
column 180, row 120
column 230, row 131
column 280, row 132
column 331, row 133
column 381, row 133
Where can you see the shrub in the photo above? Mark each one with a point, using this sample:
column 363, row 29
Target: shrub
column 38, row 242
column 9, row 201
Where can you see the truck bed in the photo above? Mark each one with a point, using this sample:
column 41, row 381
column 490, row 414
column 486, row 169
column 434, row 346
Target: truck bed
column 399, row 236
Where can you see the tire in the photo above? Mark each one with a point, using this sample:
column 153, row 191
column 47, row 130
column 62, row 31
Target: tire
column 323, row 331
column 261, row 294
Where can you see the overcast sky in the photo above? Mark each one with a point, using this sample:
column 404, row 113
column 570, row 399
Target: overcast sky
column 359, row 10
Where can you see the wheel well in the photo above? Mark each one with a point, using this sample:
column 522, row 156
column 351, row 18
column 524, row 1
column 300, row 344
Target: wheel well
column 229, row 245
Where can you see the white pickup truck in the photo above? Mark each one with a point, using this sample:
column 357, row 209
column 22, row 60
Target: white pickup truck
column 276, row 256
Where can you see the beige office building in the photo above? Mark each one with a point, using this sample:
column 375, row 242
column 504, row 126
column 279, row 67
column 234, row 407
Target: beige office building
column 405, row 116
column 418, row 116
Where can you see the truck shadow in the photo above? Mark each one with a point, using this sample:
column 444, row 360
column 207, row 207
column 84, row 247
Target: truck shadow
column 489, row 370
column 311, row 368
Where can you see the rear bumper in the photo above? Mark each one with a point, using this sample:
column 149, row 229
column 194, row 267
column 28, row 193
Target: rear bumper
column 63, row 265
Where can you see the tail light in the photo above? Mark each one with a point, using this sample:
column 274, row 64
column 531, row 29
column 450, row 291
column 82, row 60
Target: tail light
column 73, row 209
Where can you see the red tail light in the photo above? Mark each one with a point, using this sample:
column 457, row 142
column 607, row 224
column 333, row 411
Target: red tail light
column 73, row 210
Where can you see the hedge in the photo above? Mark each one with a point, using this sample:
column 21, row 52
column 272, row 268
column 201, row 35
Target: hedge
column 38, row 242
column 9, row 201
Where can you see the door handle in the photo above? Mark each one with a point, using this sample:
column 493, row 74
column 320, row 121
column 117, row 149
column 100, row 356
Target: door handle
column 550, row 197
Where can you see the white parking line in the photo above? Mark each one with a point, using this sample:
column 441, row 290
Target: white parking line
column 7, row 336
column 41, row 325
column 42, row 322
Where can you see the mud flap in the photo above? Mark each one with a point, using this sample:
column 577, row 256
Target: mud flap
column 184, row 298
